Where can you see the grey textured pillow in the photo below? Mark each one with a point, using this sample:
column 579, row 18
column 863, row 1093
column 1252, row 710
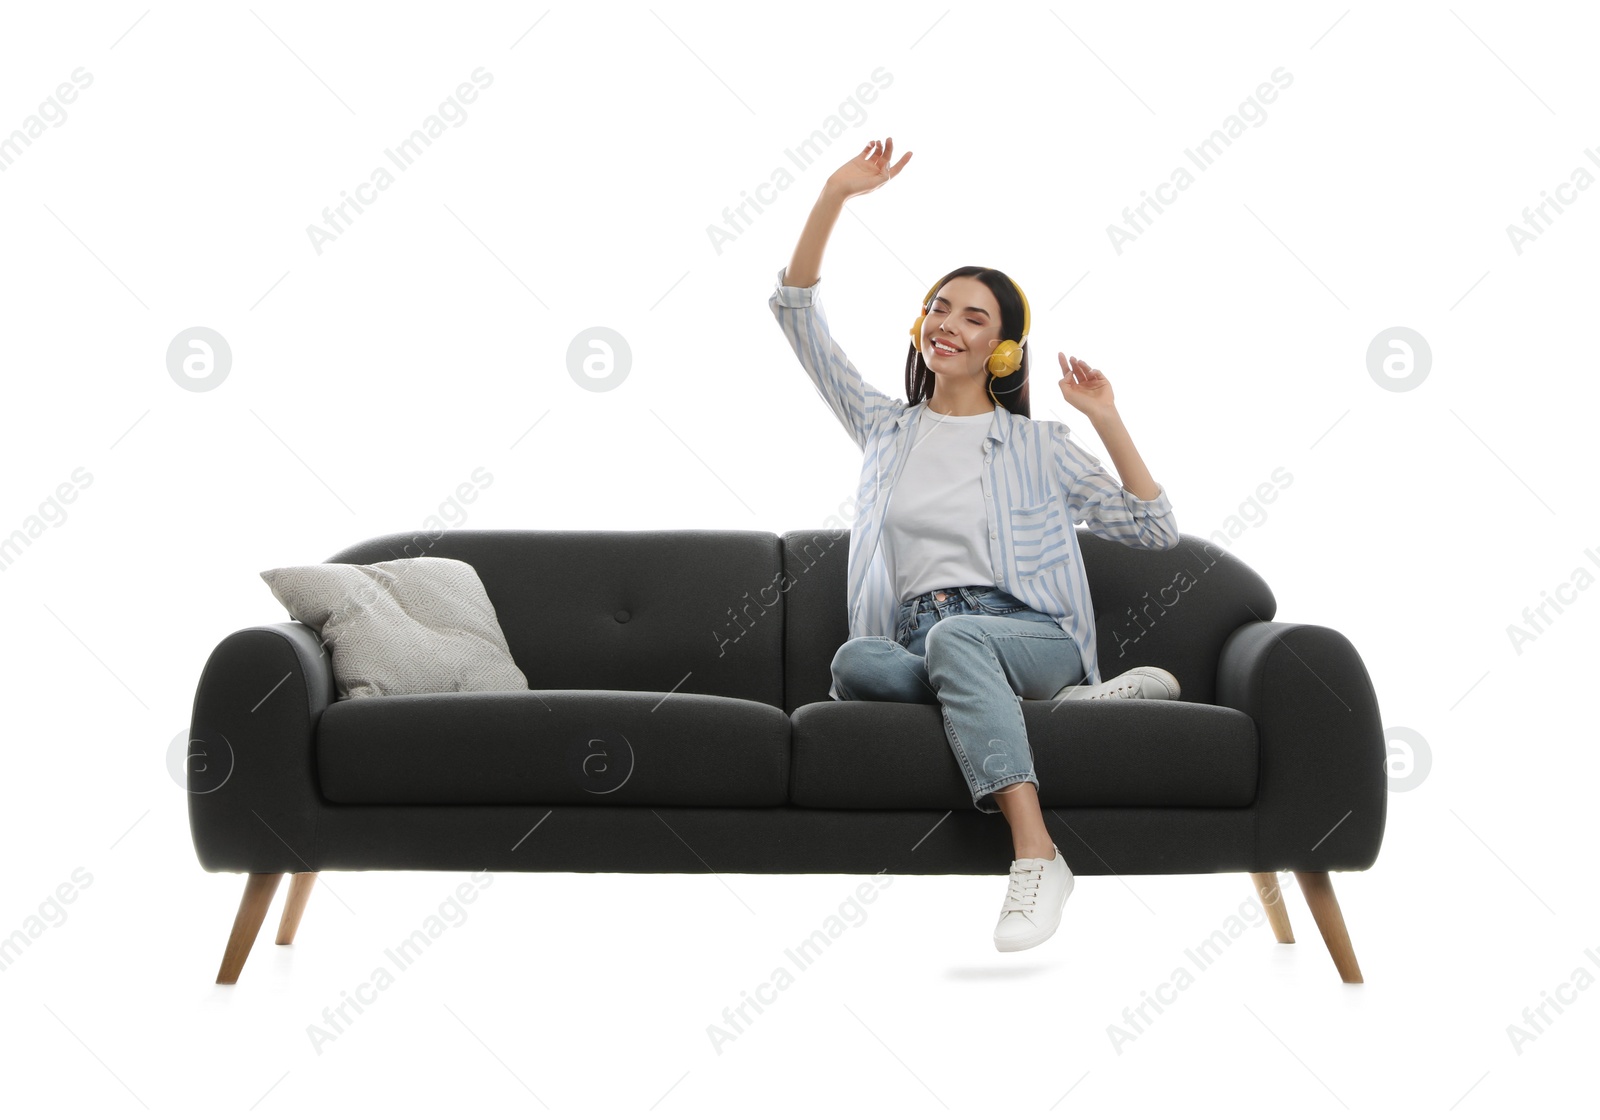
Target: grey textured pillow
column 401, row 626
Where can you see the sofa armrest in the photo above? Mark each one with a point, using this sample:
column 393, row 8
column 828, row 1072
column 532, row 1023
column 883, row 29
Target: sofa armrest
column 1322, row 789
column 253, row 794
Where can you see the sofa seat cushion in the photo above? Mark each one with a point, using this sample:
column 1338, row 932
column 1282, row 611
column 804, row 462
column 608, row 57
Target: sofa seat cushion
column 554, row 747
column 863, row 754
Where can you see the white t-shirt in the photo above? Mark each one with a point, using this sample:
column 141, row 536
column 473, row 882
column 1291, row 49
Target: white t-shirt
column 936, row 527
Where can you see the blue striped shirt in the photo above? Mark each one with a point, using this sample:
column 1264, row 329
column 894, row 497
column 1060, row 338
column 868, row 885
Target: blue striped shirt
column 1040, row 483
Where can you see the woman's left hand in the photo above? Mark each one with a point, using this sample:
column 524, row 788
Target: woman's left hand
column 1085, row 389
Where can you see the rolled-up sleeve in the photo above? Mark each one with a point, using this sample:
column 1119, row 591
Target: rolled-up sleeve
column 1095, row 497
column 858, row 405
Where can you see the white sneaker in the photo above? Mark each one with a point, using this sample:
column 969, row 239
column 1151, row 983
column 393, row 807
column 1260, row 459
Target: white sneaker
column 1034, row 897
column 1143, row 683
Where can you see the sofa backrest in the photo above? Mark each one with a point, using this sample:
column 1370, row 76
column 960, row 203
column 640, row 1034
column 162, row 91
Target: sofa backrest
column 687, row 610
column 1172, row 608
column 759, row 616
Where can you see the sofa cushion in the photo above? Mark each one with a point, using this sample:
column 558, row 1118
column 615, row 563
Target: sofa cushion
column 401, row 626
column 863, row 754
column 554, row 747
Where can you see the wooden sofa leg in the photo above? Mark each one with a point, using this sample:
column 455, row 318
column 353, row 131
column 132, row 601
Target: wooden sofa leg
column 1272, row 899
column 1325, row 909
column 295, row 905
column 258, row 891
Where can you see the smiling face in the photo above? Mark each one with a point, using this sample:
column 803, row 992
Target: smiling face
column 964, row 315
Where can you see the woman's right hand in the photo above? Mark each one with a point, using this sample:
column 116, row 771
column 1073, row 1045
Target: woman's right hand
column 867, row 171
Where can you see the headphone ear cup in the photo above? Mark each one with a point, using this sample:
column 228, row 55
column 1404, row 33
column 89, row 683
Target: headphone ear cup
column 1006, row 359
column 916, row 333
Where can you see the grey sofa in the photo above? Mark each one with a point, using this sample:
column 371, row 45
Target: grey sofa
column 677, row 720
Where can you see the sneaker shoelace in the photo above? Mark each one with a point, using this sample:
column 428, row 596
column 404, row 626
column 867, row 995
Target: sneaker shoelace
column 1108, row 691
column 1022, row 893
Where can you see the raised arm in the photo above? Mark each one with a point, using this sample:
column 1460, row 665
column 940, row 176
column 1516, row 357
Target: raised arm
column 865, row 173
column 795, row 304
column 806, row 264
column 1135, row 511
column 1111, row 511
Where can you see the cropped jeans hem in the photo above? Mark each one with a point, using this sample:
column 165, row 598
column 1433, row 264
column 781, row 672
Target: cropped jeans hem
column 983, row 798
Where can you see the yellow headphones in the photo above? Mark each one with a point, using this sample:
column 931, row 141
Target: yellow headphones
column 1006, row 358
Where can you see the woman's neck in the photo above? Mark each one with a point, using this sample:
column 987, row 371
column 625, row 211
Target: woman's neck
column 962, row 394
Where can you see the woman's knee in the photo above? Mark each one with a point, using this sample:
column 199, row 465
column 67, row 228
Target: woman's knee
column 865, row 668
column 853, row 652
column 944, row 634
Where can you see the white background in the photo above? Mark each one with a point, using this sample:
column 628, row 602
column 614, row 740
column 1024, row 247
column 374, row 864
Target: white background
column 430, row 338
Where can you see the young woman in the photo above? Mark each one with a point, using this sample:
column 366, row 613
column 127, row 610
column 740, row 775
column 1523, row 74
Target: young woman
column 965, row 586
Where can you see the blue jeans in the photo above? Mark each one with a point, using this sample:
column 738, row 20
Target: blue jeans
column 978, row 652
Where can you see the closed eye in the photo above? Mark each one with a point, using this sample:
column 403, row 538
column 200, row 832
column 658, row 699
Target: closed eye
column 945, row 309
